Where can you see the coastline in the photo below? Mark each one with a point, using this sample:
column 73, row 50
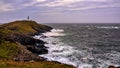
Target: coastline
column 17, row 44
column 19, row 34
column 55, row 49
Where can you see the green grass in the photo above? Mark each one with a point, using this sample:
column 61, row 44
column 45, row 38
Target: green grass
column 4, row 33
column 8, row 49
column 24, row 27
column 44, row 64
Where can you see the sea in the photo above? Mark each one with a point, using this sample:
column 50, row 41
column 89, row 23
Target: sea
column 83, row 45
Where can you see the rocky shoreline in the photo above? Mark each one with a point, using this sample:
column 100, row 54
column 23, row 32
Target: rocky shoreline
column 21, row 34
column 18, row 45
column 29, row 47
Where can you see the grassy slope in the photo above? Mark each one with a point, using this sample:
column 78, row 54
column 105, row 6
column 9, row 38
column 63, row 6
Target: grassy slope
column 9, row 49
column 44, row 64
column 25, row 27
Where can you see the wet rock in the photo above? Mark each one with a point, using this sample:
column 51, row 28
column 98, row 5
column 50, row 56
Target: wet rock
column 34, row 45
column 113, row 66
column 26, row 55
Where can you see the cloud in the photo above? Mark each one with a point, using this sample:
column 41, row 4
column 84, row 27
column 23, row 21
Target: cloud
column 33, row 2
column 39, row 0
column 96, row 0
column 61, row 3
column 58, row 5
column 80, row 4
column 95, row 7
column 5, row 7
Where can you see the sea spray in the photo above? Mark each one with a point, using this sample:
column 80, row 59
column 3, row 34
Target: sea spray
column 54, row 32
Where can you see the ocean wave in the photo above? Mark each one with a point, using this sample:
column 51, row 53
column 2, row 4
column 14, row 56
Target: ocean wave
column 57, row 30
column 62, row 52
column 109, row 27
column 54, row 32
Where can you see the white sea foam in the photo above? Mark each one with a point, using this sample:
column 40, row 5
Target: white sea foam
column 57, row 30
column 61, row 52
column 54, row 32
column 109, row 27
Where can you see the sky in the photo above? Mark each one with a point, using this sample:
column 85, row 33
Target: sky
column 61, row 11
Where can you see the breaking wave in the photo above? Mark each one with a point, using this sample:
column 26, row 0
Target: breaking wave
column 58, row 51
column 109, row 27
column 62, row 52
column 54, row 32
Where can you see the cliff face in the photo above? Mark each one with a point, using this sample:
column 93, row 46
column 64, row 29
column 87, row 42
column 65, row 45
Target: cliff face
column 19, row 33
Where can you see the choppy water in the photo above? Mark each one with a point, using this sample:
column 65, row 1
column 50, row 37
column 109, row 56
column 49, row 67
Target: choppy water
column 84, row 46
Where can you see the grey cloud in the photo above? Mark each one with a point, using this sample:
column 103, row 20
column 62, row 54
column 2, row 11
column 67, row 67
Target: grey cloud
column 5, row 7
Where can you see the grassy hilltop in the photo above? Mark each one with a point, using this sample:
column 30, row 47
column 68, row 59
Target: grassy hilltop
column 26, row 27
column 18, row 48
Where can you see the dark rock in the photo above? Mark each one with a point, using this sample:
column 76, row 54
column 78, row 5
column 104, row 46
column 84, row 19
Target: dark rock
column 34, row 45
column 113, row 66
column 38, row 50
column 26, row 40
column 26, row 55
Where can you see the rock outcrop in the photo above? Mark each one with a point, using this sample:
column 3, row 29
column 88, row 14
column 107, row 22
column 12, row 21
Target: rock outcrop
column 113, row 66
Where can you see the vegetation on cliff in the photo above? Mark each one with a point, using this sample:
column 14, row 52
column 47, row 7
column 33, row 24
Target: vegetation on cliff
column 32, row 64
column 18, row 48
column 26, row 27
column 10, row 39
column 8, row 49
